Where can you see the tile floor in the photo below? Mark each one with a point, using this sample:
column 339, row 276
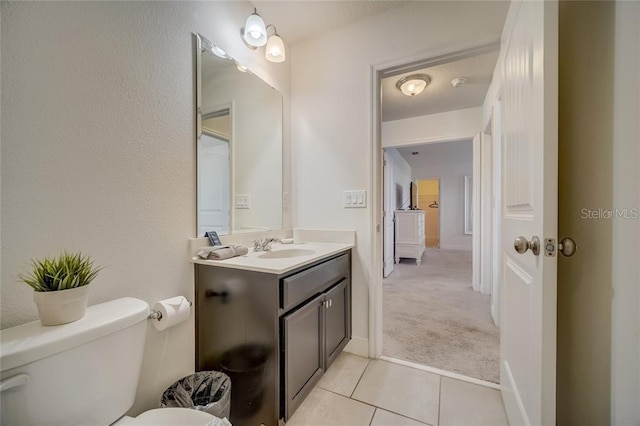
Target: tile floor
column 357, row 391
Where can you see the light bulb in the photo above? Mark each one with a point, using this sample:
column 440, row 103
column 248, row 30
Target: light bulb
column 275, row 51
column 413, row 85
column 255, row 32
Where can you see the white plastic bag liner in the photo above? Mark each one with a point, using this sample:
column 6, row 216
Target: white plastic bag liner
column 208, row 391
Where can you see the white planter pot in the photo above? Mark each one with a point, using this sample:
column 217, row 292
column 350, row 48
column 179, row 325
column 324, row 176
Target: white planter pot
column 61, row 307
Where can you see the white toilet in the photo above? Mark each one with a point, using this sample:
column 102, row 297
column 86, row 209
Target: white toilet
column 82, row 373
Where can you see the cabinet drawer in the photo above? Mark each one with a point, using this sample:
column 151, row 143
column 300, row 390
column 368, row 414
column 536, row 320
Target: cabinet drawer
column 301, row 286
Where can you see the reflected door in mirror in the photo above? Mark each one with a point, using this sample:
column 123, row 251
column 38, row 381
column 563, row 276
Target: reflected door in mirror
column 213, row 185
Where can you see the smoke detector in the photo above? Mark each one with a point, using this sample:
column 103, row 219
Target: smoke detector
column 460, row 81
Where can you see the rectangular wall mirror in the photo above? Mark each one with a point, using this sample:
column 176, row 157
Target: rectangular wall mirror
column 239, row 146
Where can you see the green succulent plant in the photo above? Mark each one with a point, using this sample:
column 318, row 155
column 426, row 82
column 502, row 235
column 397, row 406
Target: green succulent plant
column 61, row 272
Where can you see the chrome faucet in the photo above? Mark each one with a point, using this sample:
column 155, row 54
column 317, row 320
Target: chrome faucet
column 264, row 244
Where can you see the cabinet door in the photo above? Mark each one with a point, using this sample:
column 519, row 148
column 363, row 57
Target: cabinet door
column 337, row 320
column 303, row 352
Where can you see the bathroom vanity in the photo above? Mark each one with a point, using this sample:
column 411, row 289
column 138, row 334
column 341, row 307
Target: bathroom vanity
column 274, row 322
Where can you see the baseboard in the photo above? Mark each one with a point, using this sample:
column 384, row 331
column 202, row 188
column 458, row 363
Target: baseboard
column 358, row 346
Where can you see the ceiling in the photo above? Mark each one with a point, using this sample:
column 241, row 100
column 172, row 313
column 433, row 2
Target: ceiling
column 445, row 152
column 440, row 95
column 297, row 20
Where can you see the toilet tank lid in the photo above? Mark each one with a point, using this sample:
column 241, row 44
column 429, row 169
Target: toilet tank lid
column 32, row 341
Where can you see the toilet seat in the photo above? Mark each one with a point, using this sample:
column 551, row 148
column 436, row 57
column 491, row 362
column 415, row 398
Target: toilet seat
column 170, row 417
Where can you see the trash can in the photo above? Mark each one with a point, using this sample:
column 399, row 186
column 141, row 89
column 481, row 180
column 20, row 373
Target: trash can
column 245, row 366
column 208, row 391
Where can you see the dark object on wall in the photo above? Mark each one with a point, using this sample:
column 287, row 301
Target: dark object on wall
column 413, row 204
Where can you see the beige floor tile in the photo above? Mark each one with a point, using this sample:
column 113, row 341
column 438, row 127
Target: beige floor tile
column 463, row 404
column 324, row 408
column 386, row 418
column 343, row 375
column 403, row 390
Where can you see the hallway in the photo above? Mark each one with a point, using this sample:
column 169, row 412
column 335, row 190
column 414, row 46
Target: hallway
column 431, row 316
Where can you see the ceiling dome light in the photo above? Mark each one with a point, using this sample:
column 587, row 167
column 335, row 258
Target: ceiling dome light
column 413, row 84
column 255, row 32
column 275, row 48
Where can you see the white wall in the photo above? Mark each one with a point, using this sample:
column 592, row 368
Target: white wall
column 331, row 111
column 98, row 142
column 445, row 126
column 401, row 179
column 450, row 162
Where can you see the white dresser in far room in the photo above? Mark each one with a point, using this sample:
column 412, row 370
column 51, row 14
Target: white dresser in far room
column 409, row 234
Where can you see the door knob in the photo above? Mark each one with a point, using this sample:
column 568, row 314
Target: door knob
column 521, row 245
column 567, row 247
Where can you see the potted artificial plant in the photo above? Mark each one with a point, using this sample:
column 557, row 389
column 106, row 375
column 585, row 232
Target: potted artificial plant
column 61, row 286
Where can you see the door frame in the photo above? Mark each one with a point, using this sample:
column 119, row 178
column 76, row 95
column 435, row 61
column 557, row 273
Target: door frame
column 378, row 71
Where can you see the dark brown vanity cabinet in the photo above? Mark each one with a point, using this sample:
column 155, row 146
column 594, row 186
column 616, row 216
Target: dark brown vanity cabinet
column 312, row 337
column 274, row 335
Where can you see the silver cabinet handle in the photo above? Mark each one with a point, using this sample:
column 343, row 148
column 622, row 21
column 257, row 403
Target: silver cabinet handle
column 521, row 245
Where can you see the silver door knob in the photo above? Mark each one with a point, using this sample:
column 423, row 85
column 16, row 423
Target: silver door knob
column 521, row 245
column 567, row 247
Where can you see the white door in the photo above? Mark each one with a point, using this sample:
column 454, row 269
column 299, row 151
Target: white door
column 530, row 142
column 213, row 185
column 496, row 266
column 389, row 209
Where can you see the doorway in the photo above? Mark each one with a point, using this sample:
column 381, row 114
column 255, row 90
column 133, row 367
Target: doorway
column 432, row 315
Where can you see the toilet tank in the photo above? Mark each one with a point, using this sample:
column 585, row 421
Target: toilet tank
column 82, row 373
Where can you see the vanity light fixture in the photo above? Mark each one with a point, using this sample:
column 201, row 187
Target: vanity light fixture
column 255, row 35
column 275, row 47
column 242, row 68
column 413, row 84
column 254, row 31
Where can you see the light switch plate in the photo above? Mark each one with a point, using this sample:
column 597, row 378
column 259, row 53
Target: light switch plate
column 243, row 201
column 355, row 199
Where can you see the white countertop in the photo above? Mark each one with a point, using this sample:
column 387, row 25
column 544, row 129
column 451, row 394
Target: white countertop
column 260, row 262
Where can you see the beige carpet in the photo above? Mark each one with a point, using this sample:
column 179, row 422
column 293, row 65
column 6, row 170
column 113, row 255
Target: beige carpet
column 433, row 317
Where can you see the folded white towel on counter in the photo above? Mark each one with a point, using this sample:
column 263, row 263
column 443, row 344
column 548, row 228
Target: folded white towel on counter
column 222, row 252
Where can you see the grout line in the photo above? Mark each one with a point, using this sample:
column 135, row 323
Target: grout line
column 374, row 414
column 360, row 378
column 401, row 415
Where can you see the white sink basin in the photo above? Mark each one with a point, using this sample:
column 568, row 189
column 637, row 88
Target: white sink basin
column 286, row 253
